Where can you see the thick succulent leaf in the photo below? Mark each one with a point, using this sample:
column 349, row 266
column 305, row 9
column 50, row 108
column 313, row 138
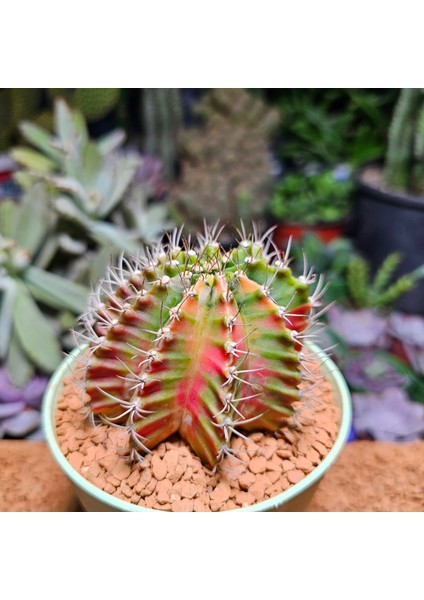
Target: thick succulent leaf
column 91, row 163
column 7, row 302
column 41, row 139
column 32, row 160
column 56, row 291
column 67, row 209
column 34, row 333
column 108, row 234
column 65, row 125
column 79, row 193
column 111, row 142
column 33, row 219
column 47, row 251
column 124, row 172
column 19, row 368
column 98, row 265
column 9, row 213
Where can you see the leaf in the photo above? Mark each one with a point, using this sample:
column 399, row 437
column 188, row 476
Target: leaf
column 9, row 213
column 98, row 265
column 72, row 186
column 33, row 219
column 56, row 291
column 34, row 333
column 32, row 160
column 108, row 234
column 19, row 368
column 67, row 209
column 125, row 169
column 111, row 141
column 41, row 139
column 64, row 122
column 8, row 286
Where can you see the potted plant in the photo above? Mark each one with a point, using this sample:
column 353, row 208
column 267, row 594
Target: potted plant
column 197, row 367
column 317, row 202
column 390, row 200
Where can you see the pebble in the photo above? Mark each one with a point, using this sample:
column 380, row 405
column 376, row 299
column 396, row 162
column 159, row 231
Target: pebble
column 303, row 464
column 257, row 464
column 158, row 467
column 287, row 465
column 221, row 493
column 246, row 480
column 121, row 470
column 295, row 476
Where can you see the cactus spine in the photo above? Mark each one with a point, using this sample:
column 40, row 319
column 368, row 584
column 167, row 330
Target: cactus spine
column 199, row 341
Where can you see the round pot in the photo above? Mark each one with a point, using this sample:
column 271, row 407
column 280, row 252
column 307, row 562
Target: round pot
column 294, row 499
column 325, row 232
column 391, row 222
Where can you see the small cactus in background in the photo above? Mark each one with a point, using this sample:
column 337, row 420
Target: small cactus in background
column 199, row 341
column 161, row 114
column 226, row 168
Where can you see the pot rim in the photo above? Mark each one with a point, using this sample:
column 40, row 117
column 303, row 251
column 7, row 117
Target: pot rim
column 331, row 371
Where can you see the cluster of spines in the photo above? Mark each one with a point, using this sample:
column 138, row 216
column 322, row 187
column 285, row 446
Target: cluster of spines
column 207, row 343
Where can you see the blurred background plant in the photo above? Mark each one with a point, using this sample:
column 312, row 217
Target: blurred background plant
column 226, row 170
column 311, row 198
column 102, row 171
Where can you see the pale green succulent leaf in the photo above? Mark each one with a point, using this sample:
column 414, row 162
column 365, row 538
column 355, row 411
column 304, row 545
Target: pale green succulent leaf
column 34, row 333
column 73, row 187
column 124, row 172
column 9, row 213
column 99, row 263
column 113, row 237
column 56, row 291
column 111, row 142
column 33, row 219
column 68, row 210
column 40, row 138
column 8, row 291
column 65, row 125
column 32, row 160
column 18, row 367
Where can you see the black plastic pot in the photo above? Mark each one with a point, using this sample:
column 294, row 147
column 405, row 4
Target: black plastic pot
column 387, row 222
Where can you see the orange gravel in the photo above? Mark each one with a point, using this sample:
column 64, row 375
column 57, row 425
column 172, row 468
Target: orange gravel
column 172, row 478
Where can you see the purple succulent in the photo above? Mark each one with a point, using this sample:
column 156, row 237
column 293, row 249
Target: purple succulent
column 408, row 330
column 359, row 328
column 388, row 416
column 20, row 407
column 371, row 372
column 150, row 173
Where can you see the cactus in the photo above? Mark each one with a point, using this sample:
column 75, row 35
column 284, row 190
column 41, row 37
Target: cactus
column 380, row 291
column 161, row 113
column 200, row 341
column 226, row 169
column 404, row 168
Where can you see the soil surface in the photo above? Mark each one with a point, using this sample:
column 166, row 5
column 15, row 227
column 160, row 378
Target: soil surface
column 172, row 478
column 30, row 480
column 374, row 477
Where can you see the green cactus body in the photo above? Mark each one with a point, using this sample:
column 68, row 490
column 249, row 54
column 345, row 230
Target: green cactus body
column 200, row 342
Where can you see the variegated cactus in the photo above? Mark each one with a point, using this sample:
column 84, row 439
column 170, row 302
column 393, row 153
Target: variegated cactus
column 201, row 342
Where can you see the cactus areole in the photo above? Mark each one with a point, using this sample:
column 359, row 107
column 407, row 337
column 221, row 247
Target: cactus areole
column 195, row 340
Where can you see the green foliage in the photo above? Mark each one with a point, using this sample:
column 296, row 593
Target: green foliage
column 311, row 199
column 404, row 167
column 380, row 291
column 332, row 126
column 29, row 295
column 331, row 259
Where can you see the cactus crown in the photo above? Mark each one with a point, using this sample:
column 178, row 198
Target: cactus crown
column 195, row 340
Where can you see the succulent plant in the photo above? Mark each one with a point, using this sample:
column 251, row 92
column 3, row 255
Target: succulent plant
column 378, row 292
column 28, row 242
column 226, row 168
column 404, row 166
column 89, row 178
column 161, row 115
column 200, row 341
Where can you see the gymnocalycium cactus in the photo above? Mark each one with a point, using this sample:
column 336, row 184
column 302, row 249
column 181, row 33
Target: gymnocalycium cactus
column 200, row 341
